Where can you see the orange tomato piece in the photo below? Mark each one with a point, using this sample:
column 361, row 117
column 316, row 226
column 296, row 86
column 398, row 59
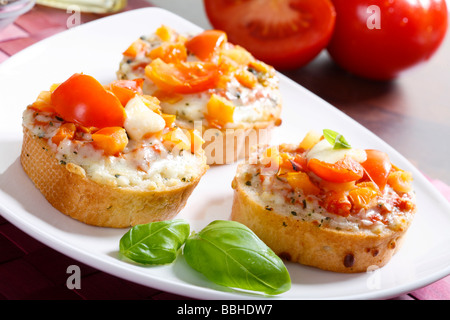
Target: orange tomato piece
column 83, row 100
column 344, row 170
column 112, row 140
column 205, row 44
column 400, row 181
column 164, row 33
column 246, row 78
column 169, row 52
column 238, row 55
column 219, row 111
column 183, row 77
column 310, row 140
column 125, row 90
column 65, row 131
column 43, row 102
column 300, row 180
column 362, row 197
column 169, row 119
column 137, row 47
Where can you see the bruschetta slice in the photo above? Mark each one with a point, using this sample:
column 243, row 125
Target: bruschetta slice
column 106, row 155
column 325, row 204
column 209, row 84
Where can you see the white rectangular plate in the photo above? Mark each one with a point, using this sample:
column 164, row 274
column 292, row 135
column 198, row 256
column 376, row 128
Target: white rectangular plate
column 95, row 48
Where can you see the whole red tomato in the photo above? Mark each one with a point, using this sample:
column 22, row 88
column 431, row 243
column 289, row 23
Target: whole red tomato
column 377, row 39
column 286, row 34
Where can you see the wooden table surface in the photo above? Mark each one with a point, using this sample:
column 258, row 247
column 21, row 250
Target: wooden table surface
column 412, row 114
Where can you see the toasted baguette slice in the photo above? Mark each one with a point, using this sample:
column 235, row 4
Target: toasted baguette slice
column 298, row 227
column 112, row 176
column 236, row 107
column 66, row 188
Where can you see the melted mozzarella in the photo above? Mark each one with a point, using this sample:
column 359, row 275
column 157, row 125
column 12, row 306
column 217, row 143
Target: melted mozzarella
column 144, row 164
column 141, row 120
column 324, row 151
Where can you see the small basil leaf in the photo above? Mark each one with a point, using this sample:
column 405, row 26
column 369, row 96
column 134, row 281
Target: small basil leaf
column 155, row 242
column 230, row 254
column 335, row 139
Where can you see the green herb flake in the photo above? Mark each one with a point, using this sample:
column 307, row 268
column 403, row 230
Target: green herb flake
column 336, row 139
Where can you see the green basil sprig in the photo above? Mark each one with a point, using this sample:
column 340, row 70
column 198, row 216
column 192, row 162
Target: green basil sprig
column 336, row 139
column 230, row 254
column 156, row 242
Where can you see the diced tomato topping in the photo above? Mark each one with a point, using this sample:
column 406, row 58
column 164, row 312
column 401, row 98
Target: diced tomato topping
column 344, row 170
column 125, row 90
column 65, row 131
column 377, row 167
column 183, row 77
column 337, row 203
column 111, row 140
column 205, row 44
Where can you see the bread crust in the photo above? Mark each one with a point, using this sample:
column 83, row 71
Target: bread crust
column 67, row 189
column 306, row 243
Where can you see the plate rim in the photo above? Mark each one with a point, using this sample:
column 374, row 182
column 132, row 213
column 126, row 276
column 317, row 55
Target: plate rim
column 111, row 268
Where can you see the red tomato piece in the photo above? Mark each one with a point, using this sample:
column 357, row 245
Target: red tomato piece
column 337, row 203
column 377, row 39
column 345, row 170
column 377, row 167
column 205, row 44
column 183, row 77
column 83, row 100
column 126, row 89
column 284, row 34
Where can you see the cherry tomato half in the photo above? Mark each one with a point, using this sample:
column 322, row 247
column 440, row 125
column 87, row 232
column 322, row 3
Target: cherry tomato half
column 345, row 170
column 284, row 34
column 377, row 39
column 377, row 167
column 82, row 99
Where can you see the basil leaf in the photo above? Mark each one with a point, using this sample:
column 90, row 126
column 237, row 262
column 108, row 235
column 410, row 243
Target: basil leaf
column 230, row 254
column 155, row 242
column 335, row 139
